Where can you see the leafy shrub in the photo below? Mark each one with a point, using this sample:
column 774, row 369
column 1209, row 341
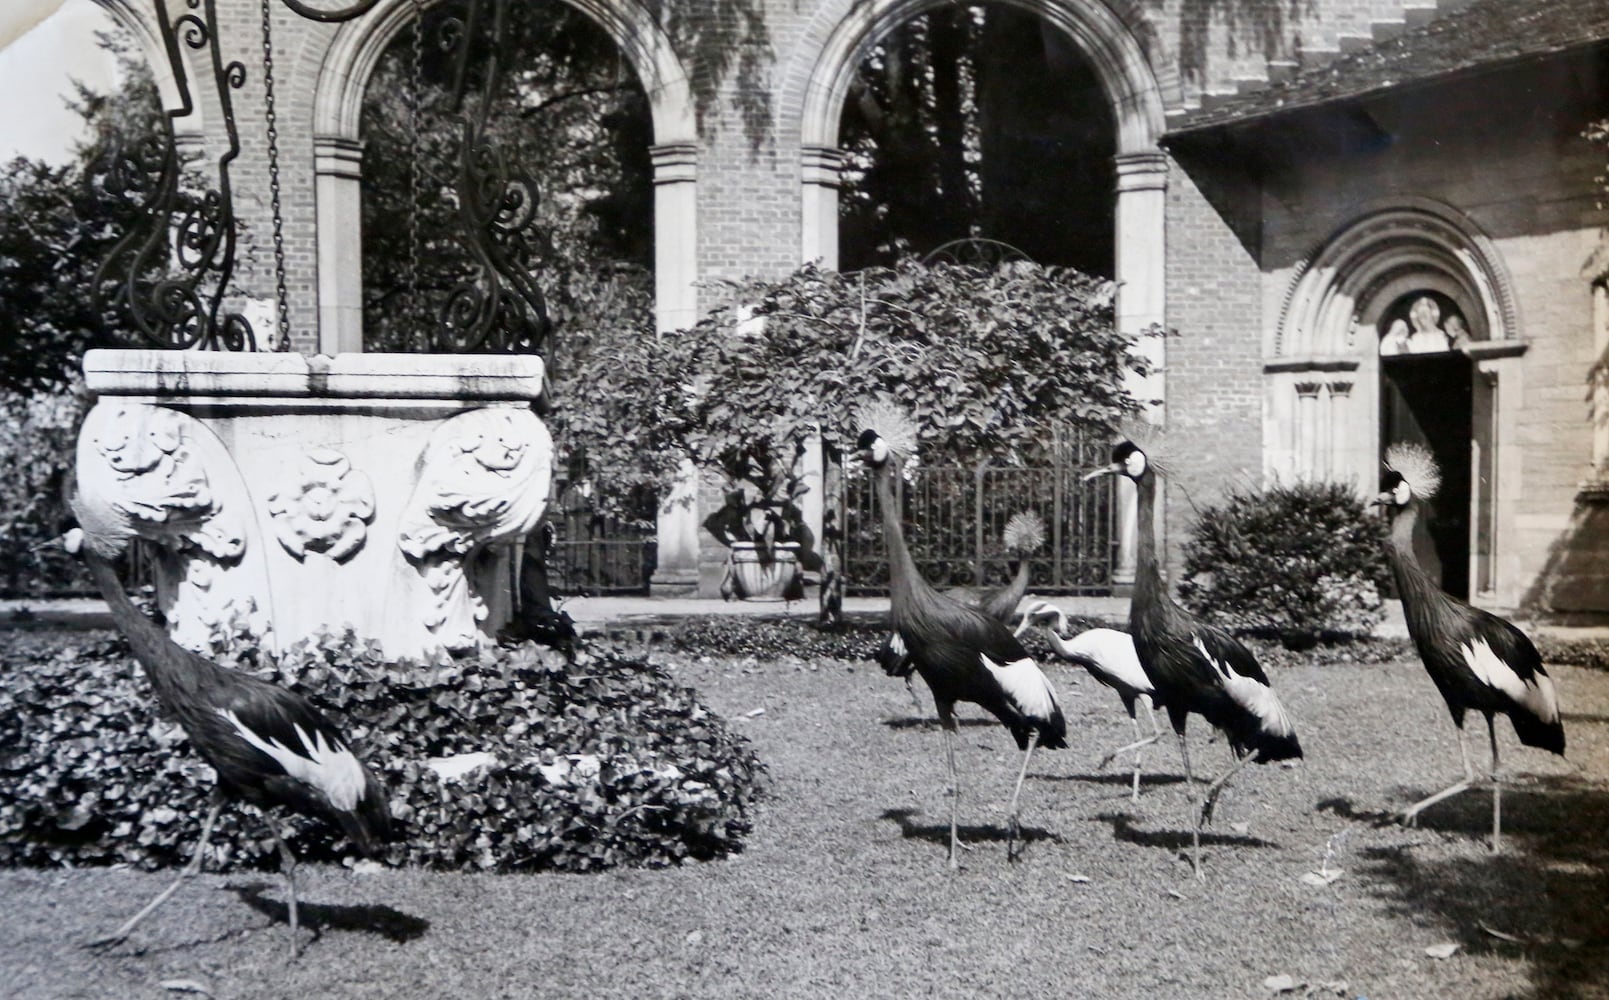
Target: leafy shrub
column 1296, row 562
column 600, row 763
column 1592, row 653
column 36, row 448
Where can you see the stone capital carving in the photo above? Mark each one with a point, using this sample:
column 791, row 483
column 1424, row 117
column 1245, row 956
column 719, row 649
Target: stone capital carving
column 484, row 478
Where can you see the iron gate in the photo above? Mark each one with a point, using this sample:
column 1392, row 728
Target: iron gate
column 954, row 518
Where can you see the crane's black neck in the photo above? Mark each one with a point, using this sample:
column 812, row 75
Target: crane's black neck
column 908, row 592
column 1150, row 602
column 162, row 659
column 1422, row 597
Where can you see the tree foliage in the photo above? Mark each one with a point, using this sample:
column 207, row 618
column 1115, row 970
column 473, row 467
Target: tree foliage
column 567, row 113
column 987, row 362
column 58, row 223
column 978, row 121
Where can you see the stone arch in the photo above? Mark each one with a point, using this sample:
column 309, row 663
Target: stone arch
column 843, row 31
column 139, row 19
column 353, row 53
column 1346, row 281
column 358, row 45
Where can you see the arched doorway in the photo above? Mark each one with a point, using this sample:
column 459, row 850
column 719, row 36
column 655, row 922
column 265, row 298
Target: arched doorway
column 1402, row 328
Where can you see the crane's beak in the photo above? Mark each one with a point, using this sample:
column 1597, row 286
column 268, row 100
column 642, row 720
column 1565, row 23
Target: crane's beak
column 1383, row 500
column 1105, row 470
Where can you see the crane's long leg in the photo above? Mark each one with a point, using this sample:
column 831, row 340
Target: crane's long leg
column 190, row 871
column 951, row 736
column 287, row 867
column 1497, row 790
column 1217, row 786
column 1011, row 833
column 1410, row 816
column 1190, row 788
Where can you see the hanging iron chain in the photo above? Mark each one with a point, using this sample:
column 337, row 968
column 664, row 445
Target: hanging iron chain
column 282, row 340
column 416, row 142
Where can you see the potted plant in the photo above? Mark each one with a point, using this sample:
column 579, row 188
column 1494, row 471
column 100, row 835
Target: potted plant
column 762, row 525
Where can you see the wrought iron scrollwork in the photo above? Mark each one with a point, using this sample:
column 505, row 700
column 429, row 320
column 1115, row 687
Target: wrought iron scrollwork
column 500, row 307
column 168, row 276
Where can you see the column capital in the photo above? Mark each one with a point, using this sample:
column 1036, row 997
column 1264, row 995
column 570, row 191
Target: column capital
column 338, row 156
column 1141, row 171
column 822, row 165
column 675, row 162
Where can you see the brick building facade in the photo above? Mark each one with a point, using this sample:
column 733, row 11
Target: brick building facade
column 1285, row 175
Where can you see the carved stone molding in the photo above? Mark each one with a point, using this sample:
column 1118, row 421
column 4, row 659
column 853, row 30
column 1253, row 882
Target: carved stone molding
column 158, row 474
column 139, row 468
column 484, row 479
column 327, row 510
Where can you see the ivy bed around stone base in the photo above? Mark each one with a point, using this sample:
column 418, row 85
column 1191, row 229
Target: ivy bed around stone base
column 510, row 760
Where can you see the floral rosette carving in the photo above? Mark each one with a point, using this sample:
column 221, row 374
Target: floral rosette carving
column 484, row 480
column 139, row 474
column 327, row 509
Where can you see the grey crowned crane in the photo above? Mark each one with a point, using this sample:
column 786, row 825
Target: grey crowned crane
column 269, row 746
column 1193, row 666
column 1023, row 536
column 1477, row 660
column 961, row 652
column 1109, row 656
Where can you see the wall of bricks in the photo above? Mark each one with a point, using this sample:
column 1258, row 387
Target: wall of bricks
column 1226, row 260
column 1519, row 170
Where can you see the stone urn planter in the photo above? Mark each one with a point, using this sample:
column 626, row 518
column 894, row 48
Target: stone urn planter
column 290, row 495
column 755, row 577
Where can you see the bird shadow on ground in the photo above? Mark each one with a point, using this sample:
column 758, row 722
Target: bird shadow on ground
column 1541, row 900
column 1124, row 778
column 912, row 722
column 1123, row 829
column 368, row 918
column 939, row 833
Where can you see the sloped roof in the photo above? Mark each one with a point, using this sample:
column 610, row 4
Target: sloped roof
column 1482, row 36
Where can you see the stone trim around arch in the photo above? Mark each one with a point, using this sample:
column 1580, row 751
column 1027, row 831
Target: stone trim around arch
column 842, row 30
column 1412, row 240
column 337, row 107
column 358, row 45
column 140, row 20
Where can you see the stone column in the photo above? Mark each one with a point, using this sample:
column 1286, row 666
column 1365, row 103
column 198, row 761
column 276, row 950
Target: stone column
column 821, row 176
column 676, row 298
column 675, row 235
column 1308, row 461
column 337, row 185
column 1142, row 187
column 1341, row 428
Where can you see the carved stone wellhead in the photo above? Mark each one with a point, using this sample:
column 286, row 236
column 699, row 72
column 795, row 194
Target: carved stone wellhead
column 288, row 495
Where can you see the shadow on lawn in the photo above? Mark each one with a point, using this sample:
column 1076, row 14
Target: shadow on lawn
column 939, row 833
column 932, row 722
column 1546, row 890
column 1120, row 777
column 366, row 918
column 1123, row 829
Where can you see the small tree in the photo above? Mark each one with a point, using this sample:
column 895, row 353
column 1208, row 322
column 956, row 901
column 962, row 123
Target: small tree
column 985, row 359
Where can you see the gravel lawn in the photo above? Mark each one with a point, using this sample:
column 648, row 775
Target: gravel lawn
column 842, row 890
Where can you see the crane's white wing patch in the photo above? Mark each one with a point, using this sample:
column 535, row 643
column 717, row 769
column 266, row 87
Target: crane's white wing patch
column 896, row 644
column 1537, row 695
column 1024, row 683
column 326, row 765
column 1252, row 695
column 1112, row 653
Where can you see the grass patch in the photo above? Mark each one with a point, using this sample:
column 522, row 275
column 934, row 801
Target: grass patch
column 841, row 888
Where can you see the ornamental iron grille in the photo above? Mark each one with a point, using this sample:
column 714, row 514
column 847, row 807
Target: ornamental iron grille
column 167, row 282
column 167, row 278
column 954, row 518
